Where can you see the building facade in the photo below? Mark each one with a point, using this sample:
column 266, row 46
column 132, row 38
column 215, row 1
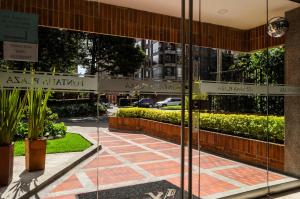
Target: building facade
column 163, row 61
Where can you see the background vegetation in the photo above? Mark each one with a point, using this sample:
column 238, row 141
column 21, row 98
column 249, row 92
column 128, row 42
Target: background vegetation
column 264, row 128
column 258, row 68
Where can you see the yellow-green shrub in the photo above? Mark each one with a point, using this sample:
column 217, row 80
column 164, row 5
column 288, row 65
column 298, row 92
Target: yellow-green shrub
column 265, row 128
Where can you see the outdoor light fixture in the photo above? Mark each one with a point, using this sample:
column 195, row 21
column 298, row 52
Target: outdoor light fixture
column 278, row 26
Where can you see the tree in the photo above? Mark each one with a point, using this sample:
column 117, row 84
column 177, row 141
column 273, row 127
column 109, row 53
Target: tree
column 61, row 49
column 114, row 55
column 257, row 67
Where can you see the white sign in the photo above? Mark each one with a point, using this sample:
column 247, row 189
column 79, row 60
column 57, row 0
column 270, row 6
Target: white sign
column 230, row 88
column 57, row 82
column 138, row 86
column 20, row 51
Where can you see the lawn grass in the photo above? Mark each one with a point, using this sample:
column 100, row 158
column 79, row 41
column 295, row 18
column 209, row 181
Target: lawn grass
column 70, row 143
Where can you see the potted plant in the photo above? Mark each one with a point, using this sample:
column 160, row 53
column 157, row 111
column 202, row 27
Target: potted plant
column 11, row 112
column 35, row 144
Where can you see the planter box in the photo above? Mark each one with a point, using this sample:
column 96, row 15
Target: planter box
column 35, row 154
column 247, row 150
column 7, row 164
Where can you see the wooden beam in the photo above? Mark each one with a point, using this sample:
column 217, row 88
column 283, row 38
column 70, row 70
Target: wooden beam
column 95, row 17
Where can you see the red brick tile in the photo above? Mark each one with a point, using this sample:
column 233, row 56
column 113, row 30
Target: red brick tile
column 126, row 149
column 146, row 140
column 208, row 162
column 143, row 157
column 71, row 183
column 132, row 136
column 107, row 139
column 115, row 143
column 114, row 175
column 162, row 168
column 176, row 153
column 208, row 185
column 161, row 146
column 248, row 175
column 104, row 161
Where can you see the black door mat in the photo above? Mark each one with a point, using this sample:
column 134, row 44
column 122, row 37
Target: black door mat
column 153, row 190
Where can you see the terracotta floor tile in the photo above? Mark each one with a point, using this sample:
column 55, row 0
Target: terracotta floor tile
column 71, row 183
column 126, row 149
column 208, row 162
column 104, row 161
column 248, row 175
column 107, row 139
column 208, row 185
column 146, row 140
column 114, row 175
column 132, row 136
column 176, row 153
column 114, row 143
column 143, row 157
column 113, row 172
column 162, row 168
column 161, row 146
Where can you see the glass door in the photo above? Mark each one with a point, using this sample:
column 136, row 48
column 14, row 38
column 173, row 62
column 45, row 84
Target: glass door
column 239, row 121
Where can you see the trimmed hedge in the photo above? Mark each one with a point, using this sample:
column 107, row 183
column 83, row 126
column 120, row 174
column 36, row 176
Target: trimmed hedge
column 264, row 128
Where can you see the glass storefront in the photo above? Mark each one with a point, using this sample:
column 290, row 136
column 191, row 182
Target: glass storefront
column 241, row 120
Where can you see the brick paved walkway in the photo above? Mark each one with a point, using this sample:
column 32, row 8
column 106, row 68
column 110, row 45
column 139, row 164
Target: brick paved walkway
column 128, row 159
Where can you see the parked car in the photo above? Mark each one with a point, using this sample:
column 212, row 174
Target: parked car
column 144, row 102
column 171, row 101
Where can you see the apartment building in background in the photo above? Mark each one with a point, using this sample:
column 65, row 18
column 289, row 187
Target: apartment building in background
column 163, row 61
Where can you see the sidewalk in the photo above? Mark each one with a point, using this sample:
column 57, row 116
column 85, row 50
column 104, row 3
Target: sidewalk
column 130, row 159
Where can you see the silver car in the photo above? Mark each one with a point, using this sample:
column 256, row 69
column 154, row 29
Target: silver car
column 171, row 101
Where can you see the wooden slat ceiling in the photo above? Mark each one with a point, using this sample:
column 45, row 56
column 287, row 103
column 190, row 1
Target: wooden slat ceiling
column 95, row 17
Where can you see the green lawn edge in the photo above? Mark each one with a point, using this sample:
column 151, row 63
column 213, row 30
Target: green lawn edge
column 72, row 142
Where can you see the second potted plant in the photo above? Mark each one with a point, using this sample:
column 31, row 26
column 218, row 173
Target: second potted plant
column 11, row 112
column 35, row 144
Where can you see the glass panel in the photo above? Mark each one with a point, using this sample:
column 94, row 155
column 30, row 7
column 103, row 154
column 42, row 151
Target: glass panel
column 282, row 71
column 233, row 116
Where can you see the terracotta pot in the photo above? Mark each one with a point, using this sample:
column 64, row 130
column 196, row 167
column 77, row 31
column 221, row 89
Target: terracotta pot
column 35, row 154
column 7, row 164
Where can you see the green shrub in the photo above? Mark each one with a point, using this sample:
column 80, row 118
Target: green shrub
column 56, row 130
column 264, row 128
column 171, row 108
column 77, row 110
column 21, row 131
column 52, row 128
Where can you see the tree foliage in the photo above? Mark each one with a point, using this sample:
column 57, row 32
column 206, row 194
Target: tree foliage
column 114, row 55
column 59, row 49
column 65, row 50
column 260, row 67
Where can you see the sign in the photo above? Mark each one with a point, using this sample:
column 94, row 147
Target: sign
column 57, row 82
column 230, row 88
column 18, row 27
column 20, row 51
column 138, row 86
